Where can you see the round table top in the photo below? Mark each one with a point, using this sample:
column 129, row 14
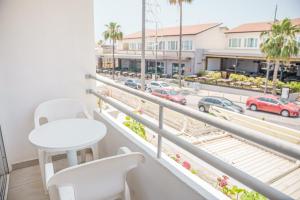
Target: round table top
column 67, row 134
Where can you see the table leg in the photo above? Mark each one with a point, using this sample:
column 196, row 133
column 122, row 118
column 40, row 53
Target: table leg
column 95, row 151
column 42, row 161
column 72, row 157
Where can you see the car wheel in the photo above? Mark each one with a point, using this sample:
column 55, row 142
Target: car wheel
column 149, row 90
column 202, row 108
column 285, row 113
column 253, row 107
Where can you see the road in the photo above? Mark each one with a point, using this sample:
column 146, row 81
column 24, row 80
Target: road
column 193, row 97
column 294, row 123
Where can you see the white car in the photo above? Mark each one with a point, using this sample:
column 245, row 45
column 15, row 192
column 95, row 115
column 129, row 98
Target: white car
column 153, row 85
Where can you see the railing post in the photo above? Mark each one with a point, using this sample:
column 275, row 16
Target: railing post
column 160, row 125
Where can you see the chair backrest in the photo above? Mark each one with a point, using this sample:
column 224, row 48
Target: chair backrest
column 99, row 179
column 59, row 109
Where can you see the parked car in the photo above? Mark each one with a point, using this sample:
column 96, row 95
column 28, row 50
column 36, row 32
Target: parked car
column 170, row 94
column 153, row 85
column 273, row 104
column 133, row 83
column 205, row 103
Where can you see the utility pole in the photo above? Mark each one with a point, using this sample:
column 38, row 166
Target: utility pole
column 156, row 46
column 143, row 45
column 275, row 14
column 180, row 45
column 268, row 61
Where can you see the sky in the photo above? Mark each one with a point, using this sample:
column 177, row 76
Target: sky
column 231, row 13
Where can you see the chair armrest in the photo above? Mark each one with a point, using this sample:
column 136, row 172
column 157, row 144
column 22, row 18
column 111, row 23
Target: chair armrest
column 124, row 150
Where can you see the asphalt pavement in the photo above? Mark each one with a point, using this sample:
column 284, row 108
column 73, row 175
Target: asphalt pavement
column 193, row 97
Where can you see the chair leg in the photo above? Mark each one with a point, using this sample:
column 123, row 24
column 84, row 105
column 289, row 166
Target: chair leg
column 42, row 161
column 82, row 156
column 95, row 151
column 126, row 194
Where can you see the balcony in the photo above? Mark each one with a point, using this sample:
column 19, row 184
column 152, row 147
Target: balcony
column 47, row 48
column 214, row 149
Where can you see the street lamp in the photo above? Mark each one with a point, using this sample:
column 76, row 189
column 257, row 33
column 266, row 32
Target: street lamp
column 143, row 45
column 267, row 77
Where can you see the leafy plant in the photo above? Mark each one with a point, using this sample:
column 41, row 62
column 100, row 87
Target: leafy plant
column 294, row 86
column 252, row 195
column 238, row 77
column 187, row 165
column 136, row 127
column 201, row 73
column 214, row 75
column 236, row 193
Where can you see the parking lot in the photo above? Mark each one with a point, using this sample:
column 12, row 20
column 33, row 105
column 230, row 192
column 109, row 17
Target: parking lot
column 193, row 97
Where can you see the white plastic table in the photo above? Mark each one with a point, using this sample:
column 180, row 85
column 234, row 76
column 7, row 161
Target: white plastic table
column 68, row 135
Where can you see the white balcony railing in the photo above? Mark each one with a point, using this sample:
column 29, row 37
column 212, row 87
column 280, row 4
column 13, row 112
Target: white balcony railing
column 275, row 144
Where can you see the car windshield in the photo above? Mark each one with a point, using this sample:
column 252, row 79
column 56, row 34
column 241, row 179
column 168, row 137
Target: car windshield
column 227, row 102
column 173, row 92
column 283, row 101
column 164, row 85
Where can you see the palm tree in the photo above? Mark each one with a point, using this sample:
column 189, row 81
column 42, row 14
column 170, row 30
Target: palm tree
column 280, row 45
column 114, row 34
column 179, row 2
column 99, row 43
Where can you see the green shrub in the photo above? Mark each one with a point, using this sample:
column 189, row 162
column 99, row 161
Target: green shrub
column 136, row 127
column 214, row 75
column 294, row 86
column 238, row 77
column 202, row 73
column 189, row 79
column 252, row 195
column 258, row 81
column 280, row 84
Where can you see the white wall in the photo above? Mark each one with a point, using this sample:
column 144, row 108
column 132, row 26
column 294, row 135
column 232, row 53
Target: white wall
column 47, row 46
column 213, row 38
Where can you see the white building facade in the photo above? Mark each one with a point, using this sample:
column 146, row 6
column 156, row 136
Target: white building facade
column 195, row 40
column 242, row 52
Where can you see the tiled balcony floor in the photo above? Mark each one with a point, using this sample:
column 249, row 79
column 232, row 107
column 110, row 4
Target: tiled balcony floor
column 26, row 183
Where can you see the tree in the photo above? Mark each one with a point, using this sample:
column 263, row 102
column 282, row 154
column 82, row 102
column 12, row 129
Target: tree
column 279, row 45
column 114, row 34
column 180, row 2
column 99, row 43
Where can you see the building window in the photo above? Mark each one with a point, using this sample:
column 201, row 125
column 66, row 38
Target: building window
column 150, row 46
column 132, row 46
column 139, row 46
column 250, row 42
column 161, row 45
column 172, row 45
column 187, row 45
column 235, row 42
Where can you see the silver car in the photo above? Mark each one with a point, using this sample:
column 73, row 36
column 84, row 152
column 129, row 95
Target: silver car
column 205, row 103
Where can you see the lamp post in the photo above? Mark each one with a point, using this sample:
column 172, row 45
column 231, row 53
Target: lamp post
column 156, row 46
column 267, row 77
column 143, row 45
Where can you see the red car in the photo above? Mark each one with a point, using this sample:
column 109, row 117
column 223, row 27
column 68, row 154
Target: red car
column 273, row 104
column 171, row 95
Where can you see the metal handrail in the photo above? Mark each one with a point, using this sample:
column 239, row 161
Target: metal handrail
column 217, row 163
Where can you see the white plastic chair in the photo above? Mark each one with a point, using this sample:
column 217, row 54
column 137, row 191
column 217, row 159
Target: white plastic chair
column 55, row 110
column 96, row 180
